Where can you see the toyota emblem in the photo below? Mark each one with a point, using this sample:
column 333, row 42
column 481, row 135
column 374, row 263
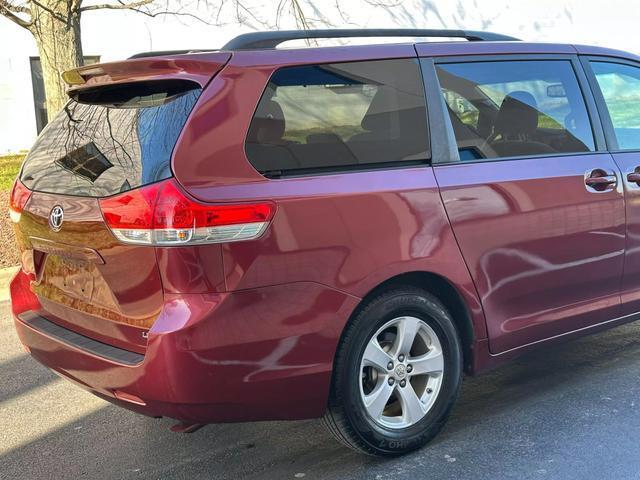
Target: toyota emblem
column 401, row 371
column 55, row 218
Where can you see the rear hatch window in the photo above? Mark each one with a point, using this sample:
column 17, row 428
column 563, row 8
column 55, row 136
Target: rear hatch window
column 110, row 139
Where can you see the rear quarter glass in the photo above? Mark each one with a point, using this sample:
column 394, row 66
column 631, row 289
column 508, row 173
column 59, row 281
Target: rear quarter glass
column 121, row 139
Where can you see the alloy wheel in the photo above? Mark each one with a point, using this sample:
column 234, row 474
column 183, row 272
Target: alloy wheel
column 401, row 372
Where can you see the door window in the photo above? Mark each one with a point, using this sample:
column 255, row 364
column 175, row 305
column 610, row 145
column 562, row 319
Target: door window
column 620, row 86
column 515, row 108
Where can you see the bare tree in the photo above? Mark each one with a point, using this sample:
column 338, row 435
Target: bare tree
column 55, row 25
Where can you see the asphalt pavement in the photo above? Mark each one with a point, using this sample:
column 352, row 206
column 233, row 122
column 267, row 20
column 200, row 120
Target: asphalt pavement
column 566, row 412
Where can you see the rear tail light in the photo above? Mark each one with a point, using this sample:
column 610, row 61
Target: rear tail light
column 162, row 214
column 18, row 199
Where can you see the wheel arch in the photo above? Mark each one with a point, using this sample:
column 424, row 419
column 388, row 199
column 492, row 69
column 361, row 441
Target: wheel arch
column 446, row 292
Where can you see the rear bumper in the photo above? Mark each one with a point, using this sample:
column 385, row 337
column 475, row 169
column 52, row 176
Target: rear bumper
column 253, row 355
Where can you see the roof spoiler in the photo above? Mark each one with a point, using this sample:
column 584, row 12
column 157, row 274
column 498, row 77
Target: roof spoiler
column 199, row 69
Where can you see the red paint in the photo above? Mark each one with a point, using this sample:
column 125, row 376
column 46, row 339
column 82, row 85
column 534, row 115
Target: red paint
column 221, row 357
column 630, row 289
column 546, row 255
column 111, row 292
column 248, row 330
column 198, row 69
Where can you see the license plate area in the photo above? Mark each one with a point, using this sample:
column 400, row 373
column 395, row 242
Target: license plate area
column 71, row 277
column 63, row 270
column 78, row 282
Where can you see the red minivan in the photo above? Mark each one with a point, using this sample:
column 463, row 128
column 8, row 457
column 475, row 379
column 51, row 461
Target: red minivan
column 258, row 233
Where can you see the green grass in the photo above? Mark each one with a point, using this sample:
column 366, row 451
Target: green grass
column 9, row 168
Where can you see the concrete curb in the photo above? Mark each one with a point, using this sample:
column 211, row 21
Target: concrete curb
column 6, row 274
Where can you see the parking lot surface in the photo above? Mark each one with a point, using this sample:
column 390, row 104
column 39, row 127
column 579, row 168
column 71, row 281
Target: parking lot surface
column 567, row 412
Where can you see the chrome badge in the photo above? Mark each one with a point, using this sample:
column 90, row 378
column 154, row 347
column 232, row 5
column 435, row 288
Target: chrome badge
column 55, row 218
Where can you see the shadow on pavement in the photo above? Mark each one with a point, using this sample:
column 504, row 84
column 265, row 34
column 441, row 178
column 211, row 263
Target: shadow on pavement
column 21, row 375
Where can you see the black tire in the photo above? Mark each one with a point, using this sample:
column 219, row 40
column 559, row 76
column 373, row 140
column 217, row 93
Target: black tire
column 346, row 417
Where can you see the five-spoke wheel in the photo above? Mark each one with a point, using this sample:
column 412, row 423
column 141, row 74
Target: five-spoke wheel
column 397, row 373
column 401, row 372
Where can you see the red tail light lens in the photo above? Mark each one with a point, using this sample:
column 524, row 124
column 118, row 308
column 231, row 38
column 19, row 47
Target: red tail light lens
column 18, row 199
column 162, row 214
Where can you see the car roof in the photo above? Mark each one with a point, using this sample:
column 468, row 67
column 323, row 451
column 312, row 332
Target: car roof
column 400, row 49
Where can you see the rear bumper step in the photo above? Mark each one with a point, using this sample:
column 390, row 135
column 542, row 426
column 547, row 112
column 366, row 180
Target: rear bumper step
column 73, row 339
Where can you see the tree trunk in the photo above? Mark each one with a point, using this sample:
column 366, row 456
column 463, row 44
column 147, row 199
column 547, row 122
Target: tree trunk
column 56, row 29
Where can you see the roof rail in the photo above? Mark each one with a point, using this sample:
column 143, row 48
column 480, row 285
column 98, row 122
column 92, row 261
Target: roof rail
column 264, row 40
column 168, row 52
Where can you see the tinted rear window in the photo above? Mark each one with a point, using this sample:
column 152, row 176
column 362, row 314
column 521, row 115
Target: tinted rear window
column 317, row 118
column 121, row 140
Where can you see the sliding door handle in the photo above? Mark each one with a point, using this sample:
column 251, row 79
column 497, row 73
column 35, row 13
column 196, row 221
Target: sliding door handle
column 634, row 177
column 597, row 181
column 600, row 180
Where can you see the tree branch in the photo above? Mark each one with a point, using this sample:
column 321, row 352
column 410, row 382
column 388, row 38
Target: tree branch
column 9, row 11
column 384, row 4
column 171, row 13
column 117, row 6
column 135, row 7
column 15, row 8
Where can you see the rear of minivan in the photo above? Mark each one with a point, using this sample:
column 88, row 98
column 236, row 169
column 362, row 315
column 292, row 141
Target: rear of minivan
column 105, row 146
column 94, row 203
column 150, row 272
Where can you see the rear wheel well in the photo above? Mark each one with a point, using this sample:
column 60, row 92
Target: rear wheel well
column 440, row 287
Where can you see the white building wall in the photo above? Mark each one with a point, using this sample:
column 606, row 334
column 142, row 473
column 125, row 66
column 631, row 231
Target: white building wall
column 17, row 113
column 117, row 34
